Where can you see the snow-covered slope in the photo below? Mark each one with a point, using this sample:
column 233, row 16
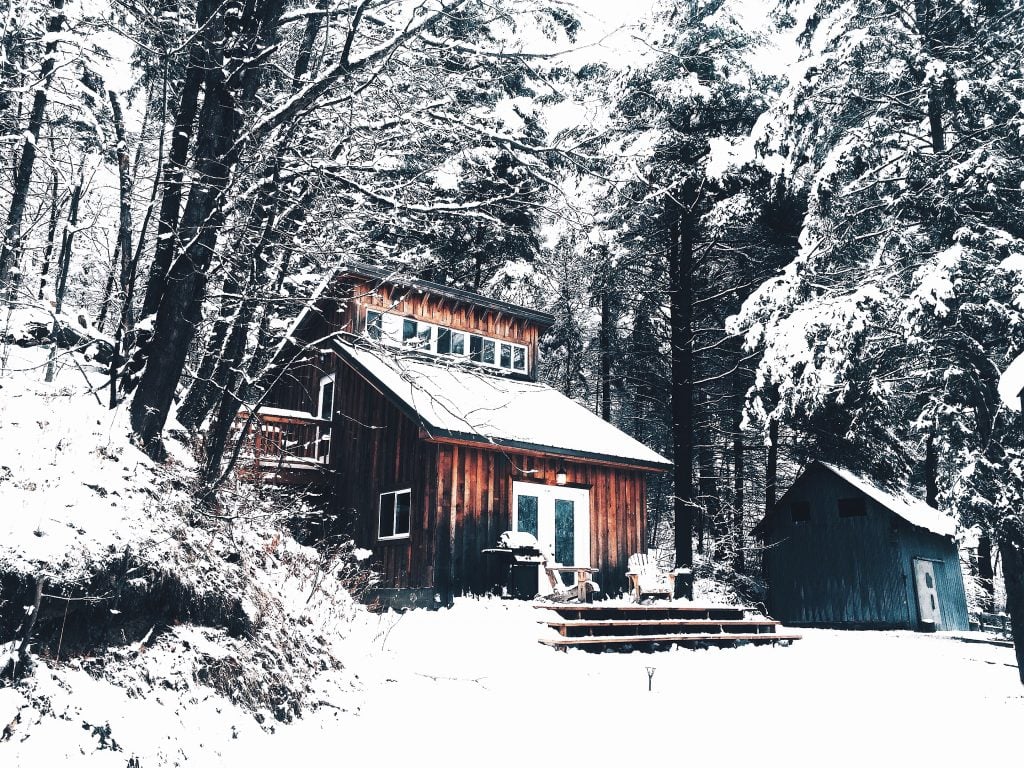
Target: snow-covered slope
column 146, row 594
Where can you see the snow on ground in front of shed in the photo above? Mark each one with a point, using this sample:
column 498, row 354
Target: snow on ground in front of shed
column 471, row 685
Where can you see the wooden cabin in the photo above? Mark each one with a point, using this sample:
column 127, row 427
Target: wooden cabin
column 416, row 408
column 841, row 552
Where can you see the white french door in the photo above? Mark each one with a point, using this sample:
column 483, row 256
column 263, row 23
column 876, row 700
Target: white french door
column 558, row 516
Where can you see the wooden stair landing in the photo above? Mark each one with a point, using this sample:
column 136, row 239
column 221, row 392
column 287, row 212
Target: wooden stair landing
column 646, row 627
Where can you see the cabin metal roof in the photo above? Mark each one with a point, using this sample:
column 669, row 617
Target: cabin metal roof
column 457, row 400
column 905, row 506
column 393, row 277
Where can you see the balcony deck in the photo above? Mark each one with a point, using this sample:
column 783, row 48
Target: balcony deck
column 287, row 447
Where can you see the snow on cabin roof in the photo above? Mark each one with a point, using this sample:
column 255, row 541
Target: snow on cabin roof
column 464, row 402
column 911, row 509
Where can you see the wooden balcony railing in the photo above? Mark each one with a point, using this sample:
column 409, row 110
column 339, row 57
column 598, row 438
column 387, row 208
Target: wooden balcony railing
column 280, row 440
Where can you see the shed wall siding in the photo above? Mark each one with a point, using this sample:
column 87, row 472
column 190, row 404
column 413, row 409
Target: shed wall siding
column 948, row 577
column 833, row 570
column 854, row 571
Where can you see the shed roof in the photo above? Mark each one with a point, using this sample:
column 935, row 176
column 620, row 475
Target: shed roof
column 460, row 401
column 910, row 508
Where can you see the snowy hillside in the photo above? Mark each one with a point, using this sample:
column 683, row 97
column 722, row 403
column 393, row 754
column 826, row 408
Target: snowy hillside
column 143, row 590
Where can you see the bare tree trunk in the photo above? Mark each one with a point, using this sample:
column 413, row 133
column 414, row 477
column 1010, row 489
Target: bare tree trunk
column 51, row 234
column 63, row 267
column 986, row 576
column 180, row 308
column 11, row 244
column 931, row 472
column 202, row 394
column 924, row 13
column 124, row 239
column 680, row 235
column 738, row 473
column 108, row 288
column 1011, row 548
column 710, row 525
column 605, row 340
column 771, row 475
column 174, row 168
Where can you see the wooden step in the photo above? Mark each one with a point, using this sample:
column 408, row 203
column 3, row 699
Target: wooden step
column 594, row 643
column 661, row 611
column 615, row 627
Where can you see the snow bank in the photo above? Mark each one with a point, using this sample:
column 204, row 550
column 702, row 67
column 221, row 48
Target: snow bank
column 145, row 591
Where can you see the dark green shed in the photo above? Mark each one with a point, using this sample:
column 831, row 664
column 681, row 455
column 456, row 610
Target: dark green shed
column 841, row 552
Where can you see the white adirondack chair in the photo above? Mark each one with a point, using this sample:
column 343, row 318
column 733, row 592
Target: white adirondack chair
column 647, row 578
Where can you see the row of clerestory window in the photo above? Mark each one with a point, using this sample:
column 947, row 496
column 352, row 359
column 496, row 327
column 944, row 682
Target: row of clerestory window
column 439, row 340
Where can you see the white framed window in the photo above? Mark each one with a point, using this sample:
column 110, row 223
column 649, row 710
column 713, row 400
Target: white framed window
column 393, row 514
column 325, row 401
column 374, row 324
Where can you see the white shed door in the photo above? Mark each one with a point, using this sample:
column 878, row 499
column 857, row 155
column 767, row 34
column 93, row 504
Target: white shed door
column 927, row 593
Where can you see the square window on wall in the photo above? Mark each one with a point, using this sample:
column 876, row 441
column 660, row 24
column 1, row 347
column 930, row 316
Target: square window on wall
column 853, row 507
column 800, row 511
column 458, row 343
column 423, row 336
column 394, row 514
column 409, row 328
column 519, row 358
column 506, row 356
column 476, row 346
column 488, row 352
column 444, row 341
column 374, row 324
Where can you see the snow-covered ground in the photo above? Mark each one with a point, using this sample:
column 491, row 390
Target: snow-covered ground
column 465, row 686
column 471, row 686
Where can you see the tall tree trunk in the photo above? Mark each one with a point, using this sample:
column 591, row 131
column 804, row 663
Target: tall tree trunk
column 680, row 251
column 180, row 308
column 710, row 525
column 771, row 474
column 738, row 470
column 11, row 244
column 167, row 243
column 124, row 240
column 203, row 393
column 931, row 472
column 51, row 234
column 605, row 342
column 1011, row 548
column 63, row 267
column 108, row 288
column 986, row 576
column 924, row 13
column 158, row 178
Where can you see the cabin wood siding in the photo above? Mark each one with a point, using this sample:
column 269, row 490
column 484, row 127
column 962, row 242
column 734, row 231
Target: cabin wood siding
column 851, row 571
column 461, row 496
column 375, row 449
column 475, row 490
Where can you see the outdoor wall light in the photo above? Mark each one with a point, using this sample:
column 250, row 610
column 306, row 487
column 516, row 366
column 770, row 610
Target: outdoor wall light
column 560, row 474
